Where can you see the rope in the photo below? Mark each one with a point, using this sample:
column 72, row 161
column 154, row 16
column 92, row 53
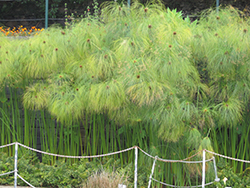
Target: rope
column 7, row 145
column 121, row 151
column 145, row 153
column 25, row 181
column 181, row 186
column 7, row 173
column 190, row 162
column 78, row 157
column 240, row 160
column 174, row 161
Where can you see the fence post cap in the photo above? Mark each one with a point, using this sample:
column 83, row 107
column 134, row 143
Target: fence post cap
column 217, row 179
column 122, row 186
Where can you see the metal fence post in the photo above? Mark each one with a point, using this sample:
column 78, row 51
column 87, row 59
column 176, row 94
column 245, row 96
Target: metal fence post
column 203, row 169
column 217, row 5
column 136, row 159
column 215, row 171
column 152, row 172
column 46, row 13
column 15, row 167
column 128, row 3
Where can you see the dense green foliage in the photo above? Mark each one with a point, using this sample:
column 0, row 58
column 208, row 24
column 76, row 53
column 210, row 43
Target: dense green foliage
column 133, row 76
column 84, row 173
column 233, row 179
column 61, row 174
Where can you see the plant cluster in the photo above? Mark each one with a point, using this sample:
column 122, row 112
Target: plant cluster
column 228, row 178
column 105, row 179
column 136, row 65
column 174, row 84
column 62, row 174
column 20, row 31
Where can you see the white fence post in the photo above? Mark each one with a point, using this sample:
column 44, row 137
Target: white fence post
column 203, row 169
column 15, row 167
column 136, row 159
column 215, row 171
column 152, row 172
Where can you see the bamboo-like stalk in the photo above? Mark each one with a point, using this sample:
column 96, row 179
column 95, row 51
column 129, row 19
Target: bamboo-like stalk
column 94, row 142
column 107, row 131
column 103, row 140
column 43, row 136
column 14, row 139
column 114, row 136
column 27, row 128
column 17, row 117
column 61, row 139
column 119, row 140
column 7, row 133
column 233, row 148
column 245, row 137
column 88, row 136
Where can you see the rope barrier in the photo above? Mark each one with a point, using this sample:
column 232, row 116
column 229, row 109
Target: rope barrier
column 78, row 157
column 7, row 173
column 25, row 181
column 113, row 153
column 190, row 162
column 181, row 186
column 173, row 161
column 121, row 151
column 7, row 145
column 240, row 160
column 145, row 153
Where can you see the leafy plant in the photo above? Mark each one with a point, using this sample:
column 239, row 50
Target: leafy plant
column 230, row 179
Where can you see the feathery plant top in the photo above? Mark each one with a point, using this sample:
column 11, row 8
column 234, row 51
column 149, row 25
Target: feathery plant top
column 144, row 63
